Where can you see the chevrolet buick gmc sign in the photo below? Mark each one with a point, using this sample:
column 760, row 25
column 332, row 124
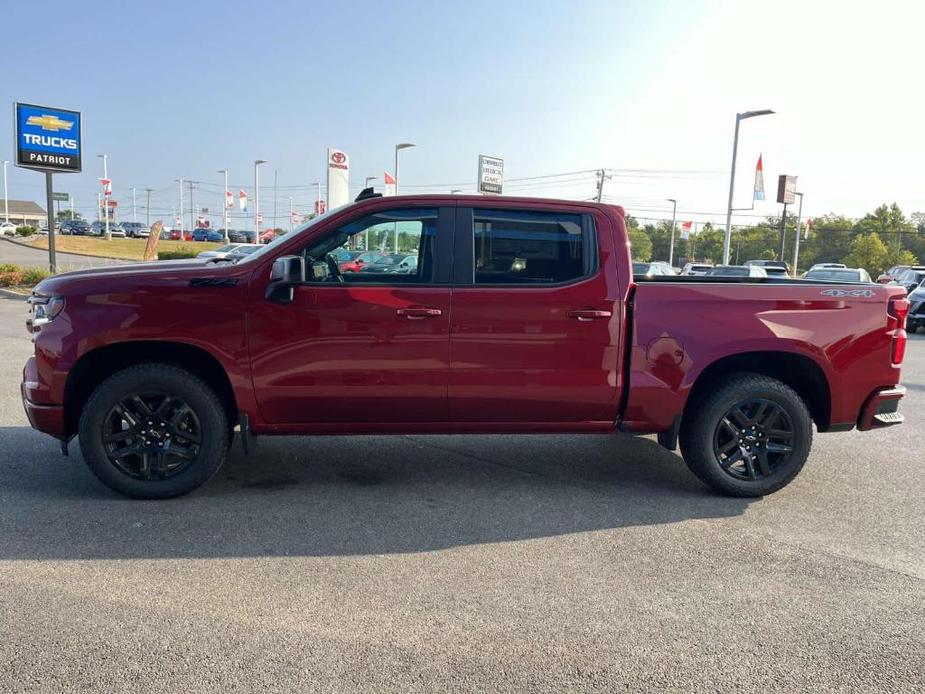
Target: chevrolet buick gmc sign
column 47, row 138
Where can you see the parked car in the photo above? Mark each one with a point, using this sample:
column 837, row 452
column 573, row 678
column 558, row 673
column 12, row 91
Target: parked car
column 207, row 235
column 242, row 251
column 737, row 271
column 773, row 268
column 180, row 235
column 839, row 274
column 696, row 269
column 386, row 263
column 652, row 269
column 222, row 251
column 267, row 235
column 98, row 228
column 916, row 317
column 356, row 263
column 75, row 227
column 911, row 279
column 136, row 230
column 524, row 316
column 894, row 272
column 7, row 229
column 241, row 236
column 827, row 266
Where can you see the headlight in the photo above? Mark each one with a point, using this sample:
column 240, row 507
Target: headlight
column 42, row 310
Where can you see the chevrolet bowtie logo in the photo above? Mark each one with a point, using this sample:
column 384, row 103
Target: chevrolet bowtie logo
column 52, row 123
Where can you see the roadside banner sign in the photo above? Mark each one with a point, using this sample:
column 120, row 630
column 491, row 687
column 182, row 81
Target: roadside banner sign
column 229, row 199
column 47, row 139
column 759, row 180
column 786, row 189
column 151, row 246
column 686, row 230
column 491, row 175
column 242, row 200
column 338, row 178
column 389, row 181
column 60, row 197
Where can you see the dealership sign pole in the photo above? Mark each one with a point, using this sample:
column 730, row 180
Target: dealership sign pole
column 48, row 140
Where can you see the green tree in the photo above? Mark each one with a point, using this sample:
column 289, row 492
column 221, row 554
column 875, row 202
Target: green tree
column 66, row 214
column 640, row 244
column 868, row 252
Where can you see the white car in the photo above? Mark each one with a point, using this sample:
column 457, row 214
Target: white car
column 827, row 266
column 696, row 269
column 7, row 229
column 223, row 251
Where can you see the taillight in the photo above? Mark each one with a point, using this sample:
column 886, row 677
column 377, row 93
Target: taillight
column 898, row 309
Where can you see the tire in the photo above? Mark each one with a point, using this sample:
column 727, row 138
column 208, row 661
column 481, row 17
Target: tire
column 753, row 462
column 179, row 448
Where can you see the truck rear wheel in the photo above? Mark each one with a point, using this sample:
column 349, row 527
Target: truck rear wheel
column 749, row 437
column 153, row 431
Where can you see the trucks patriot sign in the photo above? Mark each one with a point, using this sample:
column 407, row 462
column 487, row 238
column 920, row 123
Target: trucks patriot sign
column 47, row 138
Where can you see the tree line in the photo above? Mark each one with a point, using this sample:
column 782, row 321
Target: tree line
column 877, row 241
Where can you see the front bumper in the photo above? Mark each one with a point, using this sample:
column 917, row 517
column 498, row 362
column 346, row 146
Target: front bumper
column 881, row 409
column 49, row 418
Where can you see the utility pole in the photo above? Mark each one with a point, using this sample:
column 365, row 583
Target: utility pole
column 192, row 207
column 290, row 214
column 72, row 208
column 134, row 212
column 6, row 196
column 275, row 201
column 601, row 175
column 148, row 208
column 257, row 163
column 108, row 187
column 180, row 216
column 225, row 204
column 674, row 214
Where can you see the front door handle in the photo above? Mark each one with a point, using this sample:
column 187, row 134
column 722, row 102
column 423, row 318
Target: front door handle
column 418, row 313
column 587, row 314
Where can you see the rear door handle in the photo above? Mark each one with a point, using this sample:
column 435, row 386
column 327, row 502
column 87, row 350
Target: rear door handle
column 418, row 313
column 586, row 314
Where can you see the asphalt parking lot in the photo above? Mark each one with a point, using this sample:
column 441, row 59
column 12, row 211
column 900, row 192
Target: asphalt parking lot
column 431, row 563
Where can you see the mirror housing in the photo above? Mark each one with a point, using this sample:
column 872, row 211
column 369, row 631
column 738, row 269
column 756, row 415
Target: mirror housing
column 287, row 272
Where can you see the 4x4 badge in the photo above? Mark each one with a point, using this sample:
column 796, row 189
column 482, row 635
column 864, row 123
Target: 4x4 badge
column 840, row 293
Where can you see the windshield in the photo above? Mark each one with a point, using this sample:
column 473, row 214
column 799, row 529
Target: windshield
column 835, row 275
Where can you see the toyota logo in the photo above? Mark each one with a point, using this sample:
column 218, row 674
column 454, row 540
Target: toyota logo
column 338, row 157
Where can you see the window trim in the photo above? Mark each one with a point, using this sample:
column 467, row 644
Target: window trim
column 464, row 255
column 442, row 256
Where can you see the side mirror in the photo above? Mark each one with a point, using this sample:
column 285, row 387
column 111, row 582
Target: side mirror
column 287, row 271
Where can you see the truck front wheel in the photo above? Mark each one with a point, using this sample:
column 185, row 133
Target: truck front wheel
column 153, row 431
column 749, row 437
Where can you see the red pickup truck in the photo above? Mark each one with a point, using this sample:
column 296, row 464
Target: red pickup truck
column 522, row 315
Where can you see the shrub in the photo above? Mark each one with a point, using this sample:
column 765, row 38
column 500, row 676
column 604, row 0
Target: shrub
column 8, row 267
column 178, row 254
column 34, row 275
column 25, row 231
column 10, row 278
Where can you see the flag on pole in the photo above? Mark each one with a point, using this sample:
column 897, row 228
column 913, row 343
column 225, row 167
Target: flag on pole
column 759, row 180
column 686, row 230
column 806, row 226
column 107, row 186
column 242, row 200
column 295, row 217
column 389, row 181
column 229, row 199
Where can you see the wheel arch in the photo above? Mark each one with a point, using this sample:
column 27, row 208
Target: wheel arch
column 95, row 366
column 798, row 371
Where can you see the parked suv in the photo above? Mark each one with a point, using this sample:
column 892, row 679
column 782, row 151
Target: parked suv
column 135, row 230
column 75, row 227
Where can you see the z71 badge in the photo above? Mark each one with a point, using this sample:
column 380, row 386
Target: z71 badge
column 842, row 293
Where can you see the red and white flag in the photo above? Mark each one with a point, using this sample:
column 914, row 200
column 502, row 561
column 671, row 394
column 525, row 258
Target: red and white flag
column 229, row 199
column 295, row 217
column 107, row 186
column 390, row 182
column 686, row 228
column 806, row 225
column 759, row 180
column 242, row 200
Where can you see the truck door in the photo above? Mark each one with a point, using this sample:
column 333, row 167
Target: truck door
column 364, row 343
column 535, row 327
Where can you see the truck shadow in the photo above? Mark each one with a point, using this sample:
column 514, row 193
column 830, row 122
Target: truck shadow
column 350, row 496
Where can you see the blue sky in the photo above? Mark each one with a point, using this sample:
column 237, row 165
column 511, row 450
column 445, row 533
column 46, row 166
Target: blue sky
column 174, row 89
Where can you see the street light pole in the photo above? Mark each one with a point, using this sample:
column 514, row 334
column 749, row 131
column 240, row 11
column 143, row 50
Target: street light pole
column 105, row 200
column 674, row 214
column 257, row 163
column 368, row 179
column 6, row 196
column 134, row 211
column 318, row 198
column 732, row 176
column 180, row 216
column 225, row 204
column 796, row 243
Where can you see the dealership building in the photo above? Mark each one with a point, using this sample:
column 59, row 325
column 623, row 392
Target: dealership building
column 23, row 213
